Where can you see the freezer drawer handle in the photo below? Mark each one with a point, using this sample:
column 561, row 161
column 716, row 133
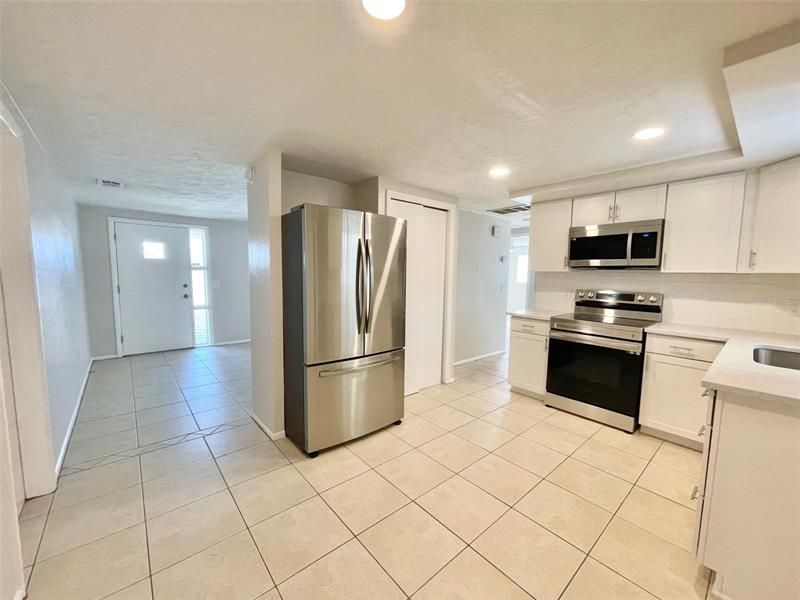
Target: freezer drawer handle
column 337, row 372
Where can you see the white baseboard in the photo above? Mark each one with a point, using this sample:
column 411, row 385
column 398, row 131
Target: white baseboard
column 474, row 358
column 273, row 436
column 104, row 357
column 231, row 342
column 62, row 454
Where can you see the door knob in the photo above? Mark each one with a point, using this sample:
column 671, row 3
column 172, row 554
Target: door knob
column 186, row 295
column 186, row 285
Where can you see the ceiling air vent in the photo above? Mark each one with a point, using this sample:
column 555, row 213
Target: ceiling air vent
column 110, row 183
column 510, row 210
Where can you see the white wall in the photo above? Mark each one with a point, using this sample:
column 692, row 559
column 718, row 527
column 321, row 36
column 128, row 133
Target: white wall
column 53, row 222
column 742, row 301
column 227, row 244
column 481, row 286
column 62, row 302
column 298, row 188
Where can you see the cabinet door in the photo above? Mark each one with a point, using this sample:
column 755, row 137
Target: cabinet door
column 642, row 204
column 593, row 210
column 776, row 245
column 527, row 362
column 703, row 223
column 672, row 397
column 549, row 231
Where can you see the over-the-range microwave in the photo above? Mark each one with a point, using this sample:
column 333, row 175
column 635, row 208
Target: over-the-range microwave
column 634, row 245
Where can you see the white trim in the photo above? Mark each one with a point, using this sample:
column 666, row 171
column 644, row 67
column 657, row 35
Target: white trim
column 21, row 592
column 112, row 245
column 104, row 357
column 273, row 436
column 474, row 358
column 62, row 454
column 247, row 341
column 451, row 258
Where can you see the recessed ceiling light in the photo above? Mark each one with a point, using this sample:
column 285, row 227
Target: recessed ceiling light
column 649, row 133
column 385, row 10
column 499, row 172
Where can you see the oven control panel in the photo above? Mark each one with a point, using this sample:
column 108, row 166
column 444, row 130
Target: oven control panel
column 616, row 298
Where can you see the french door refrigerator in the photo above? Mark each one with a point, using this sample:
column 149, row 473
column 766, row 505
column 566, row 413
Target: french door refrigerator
column 344, row 282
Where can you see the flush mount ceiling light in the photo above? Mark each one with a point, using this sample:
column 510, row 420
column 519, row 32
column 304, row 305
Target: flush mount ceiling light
column 385, row 10
column 499, row 172
column 649, row 133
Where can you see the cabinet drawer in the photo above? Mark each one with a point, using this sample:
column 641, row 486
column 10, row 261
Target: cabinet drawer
column 530, row 326
column 683, row 347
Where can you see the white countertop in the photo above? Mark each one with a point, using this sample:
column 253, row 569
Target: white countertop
column 536, row 314
column 697, row 332
column 735, row 370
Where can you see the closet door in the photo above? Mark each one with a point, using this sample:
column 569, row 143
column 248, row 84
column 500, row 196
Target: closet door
column 425, row 277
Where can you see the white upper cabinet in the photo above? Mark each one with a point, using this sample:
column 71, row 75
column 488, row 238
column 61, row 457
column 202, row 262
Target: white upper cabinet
column 703, row 224
column 775, row 234
column 549, row 235
column 593, row 210
column 641, row 204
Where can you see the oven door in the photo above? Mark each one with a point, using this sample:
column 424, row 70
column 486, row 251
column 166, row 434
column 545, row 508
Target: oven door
column 595, row 370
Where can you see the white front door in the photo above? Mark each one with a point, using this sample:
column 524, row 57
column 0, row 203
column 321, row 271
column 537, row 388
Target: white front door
column 154, row 275
column 425, row 274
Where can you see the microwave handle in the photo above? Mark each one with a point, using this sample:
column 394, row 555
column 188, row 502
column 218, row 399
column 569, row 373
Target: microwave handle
column 630, row 246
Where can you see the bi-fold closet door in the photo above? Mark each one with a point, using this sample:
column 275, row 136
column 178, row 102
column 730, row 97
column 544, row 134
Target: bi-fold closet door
column 425, row 284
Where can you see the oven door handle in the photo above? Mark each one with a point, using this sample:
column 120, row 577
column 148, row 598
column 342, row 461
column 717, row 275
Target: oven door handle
column 592, row 340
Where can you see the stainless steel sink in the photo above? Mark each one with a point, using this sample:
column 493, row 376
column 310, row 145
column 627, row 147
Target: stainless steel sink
column 787, row 359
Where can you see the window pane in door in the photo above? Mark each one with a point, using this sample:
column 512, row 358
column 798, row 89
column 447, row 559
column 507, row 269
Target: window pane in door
column 199, row 296
column 202, row 331
column 197, row 247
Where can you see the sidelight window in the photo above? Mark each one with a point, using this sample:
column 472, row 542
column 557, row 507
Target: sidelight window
column 201, row 301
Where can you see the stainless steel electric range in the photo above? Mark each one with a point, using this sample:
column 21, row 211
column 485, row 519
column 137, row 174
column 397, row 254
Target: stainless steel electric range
column 596, row 355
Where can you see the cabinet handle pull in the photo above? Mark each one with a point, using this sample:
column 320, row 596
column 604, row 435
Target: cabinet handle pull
column 752, row 262
column 616, row 212
column 565, row 261
column 706, row 393
column 702, row 431
column 546, row 343
column 610, row 212
column 682, row 350
column 695, row 493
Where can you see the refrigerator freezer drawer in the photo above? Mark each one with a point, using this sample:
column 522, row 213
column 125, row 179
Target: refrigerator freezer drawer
column 348, row 399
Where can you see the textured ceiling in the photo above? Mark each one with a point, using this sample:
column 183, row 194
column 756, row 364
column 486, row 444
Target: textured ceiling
column 176, row 98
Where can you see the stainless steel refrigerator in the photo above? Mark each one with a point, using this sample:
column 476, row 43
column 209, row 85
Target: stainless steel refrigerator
column 344, row 282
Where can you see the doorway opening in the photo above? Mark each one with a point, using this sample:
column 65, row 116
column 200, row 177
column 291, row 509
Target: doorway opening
column 160, row 277
column 518, row 273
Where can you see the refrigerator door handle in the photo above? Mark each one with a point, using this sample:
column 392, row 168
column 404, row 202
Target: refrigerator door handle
column 368, row 294
column 336, row 372
column 360, row 285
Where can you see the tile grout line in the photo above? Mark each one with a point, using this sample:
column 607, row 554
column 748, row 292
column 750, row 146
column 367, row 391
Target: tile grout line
column 146, row 529
column 244, row 521
column 614, row 514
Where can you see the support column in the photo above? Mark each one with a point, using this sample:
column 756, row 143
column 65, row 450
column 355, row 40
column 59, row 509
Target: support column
column 264, row 208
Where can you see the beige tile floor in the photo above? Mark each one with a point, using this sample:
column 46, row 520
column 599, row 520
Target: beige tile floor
column 170, row 491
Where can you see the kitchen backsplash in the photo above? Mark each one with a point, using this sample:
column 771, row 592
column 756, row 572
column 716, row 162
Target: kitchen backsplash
column 740, row 301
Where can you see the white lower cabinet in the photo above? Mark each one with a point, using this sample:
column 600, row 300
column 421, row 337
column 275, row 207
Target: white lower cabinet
column 527, row 362
column 748, row 526
column 672, row 396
